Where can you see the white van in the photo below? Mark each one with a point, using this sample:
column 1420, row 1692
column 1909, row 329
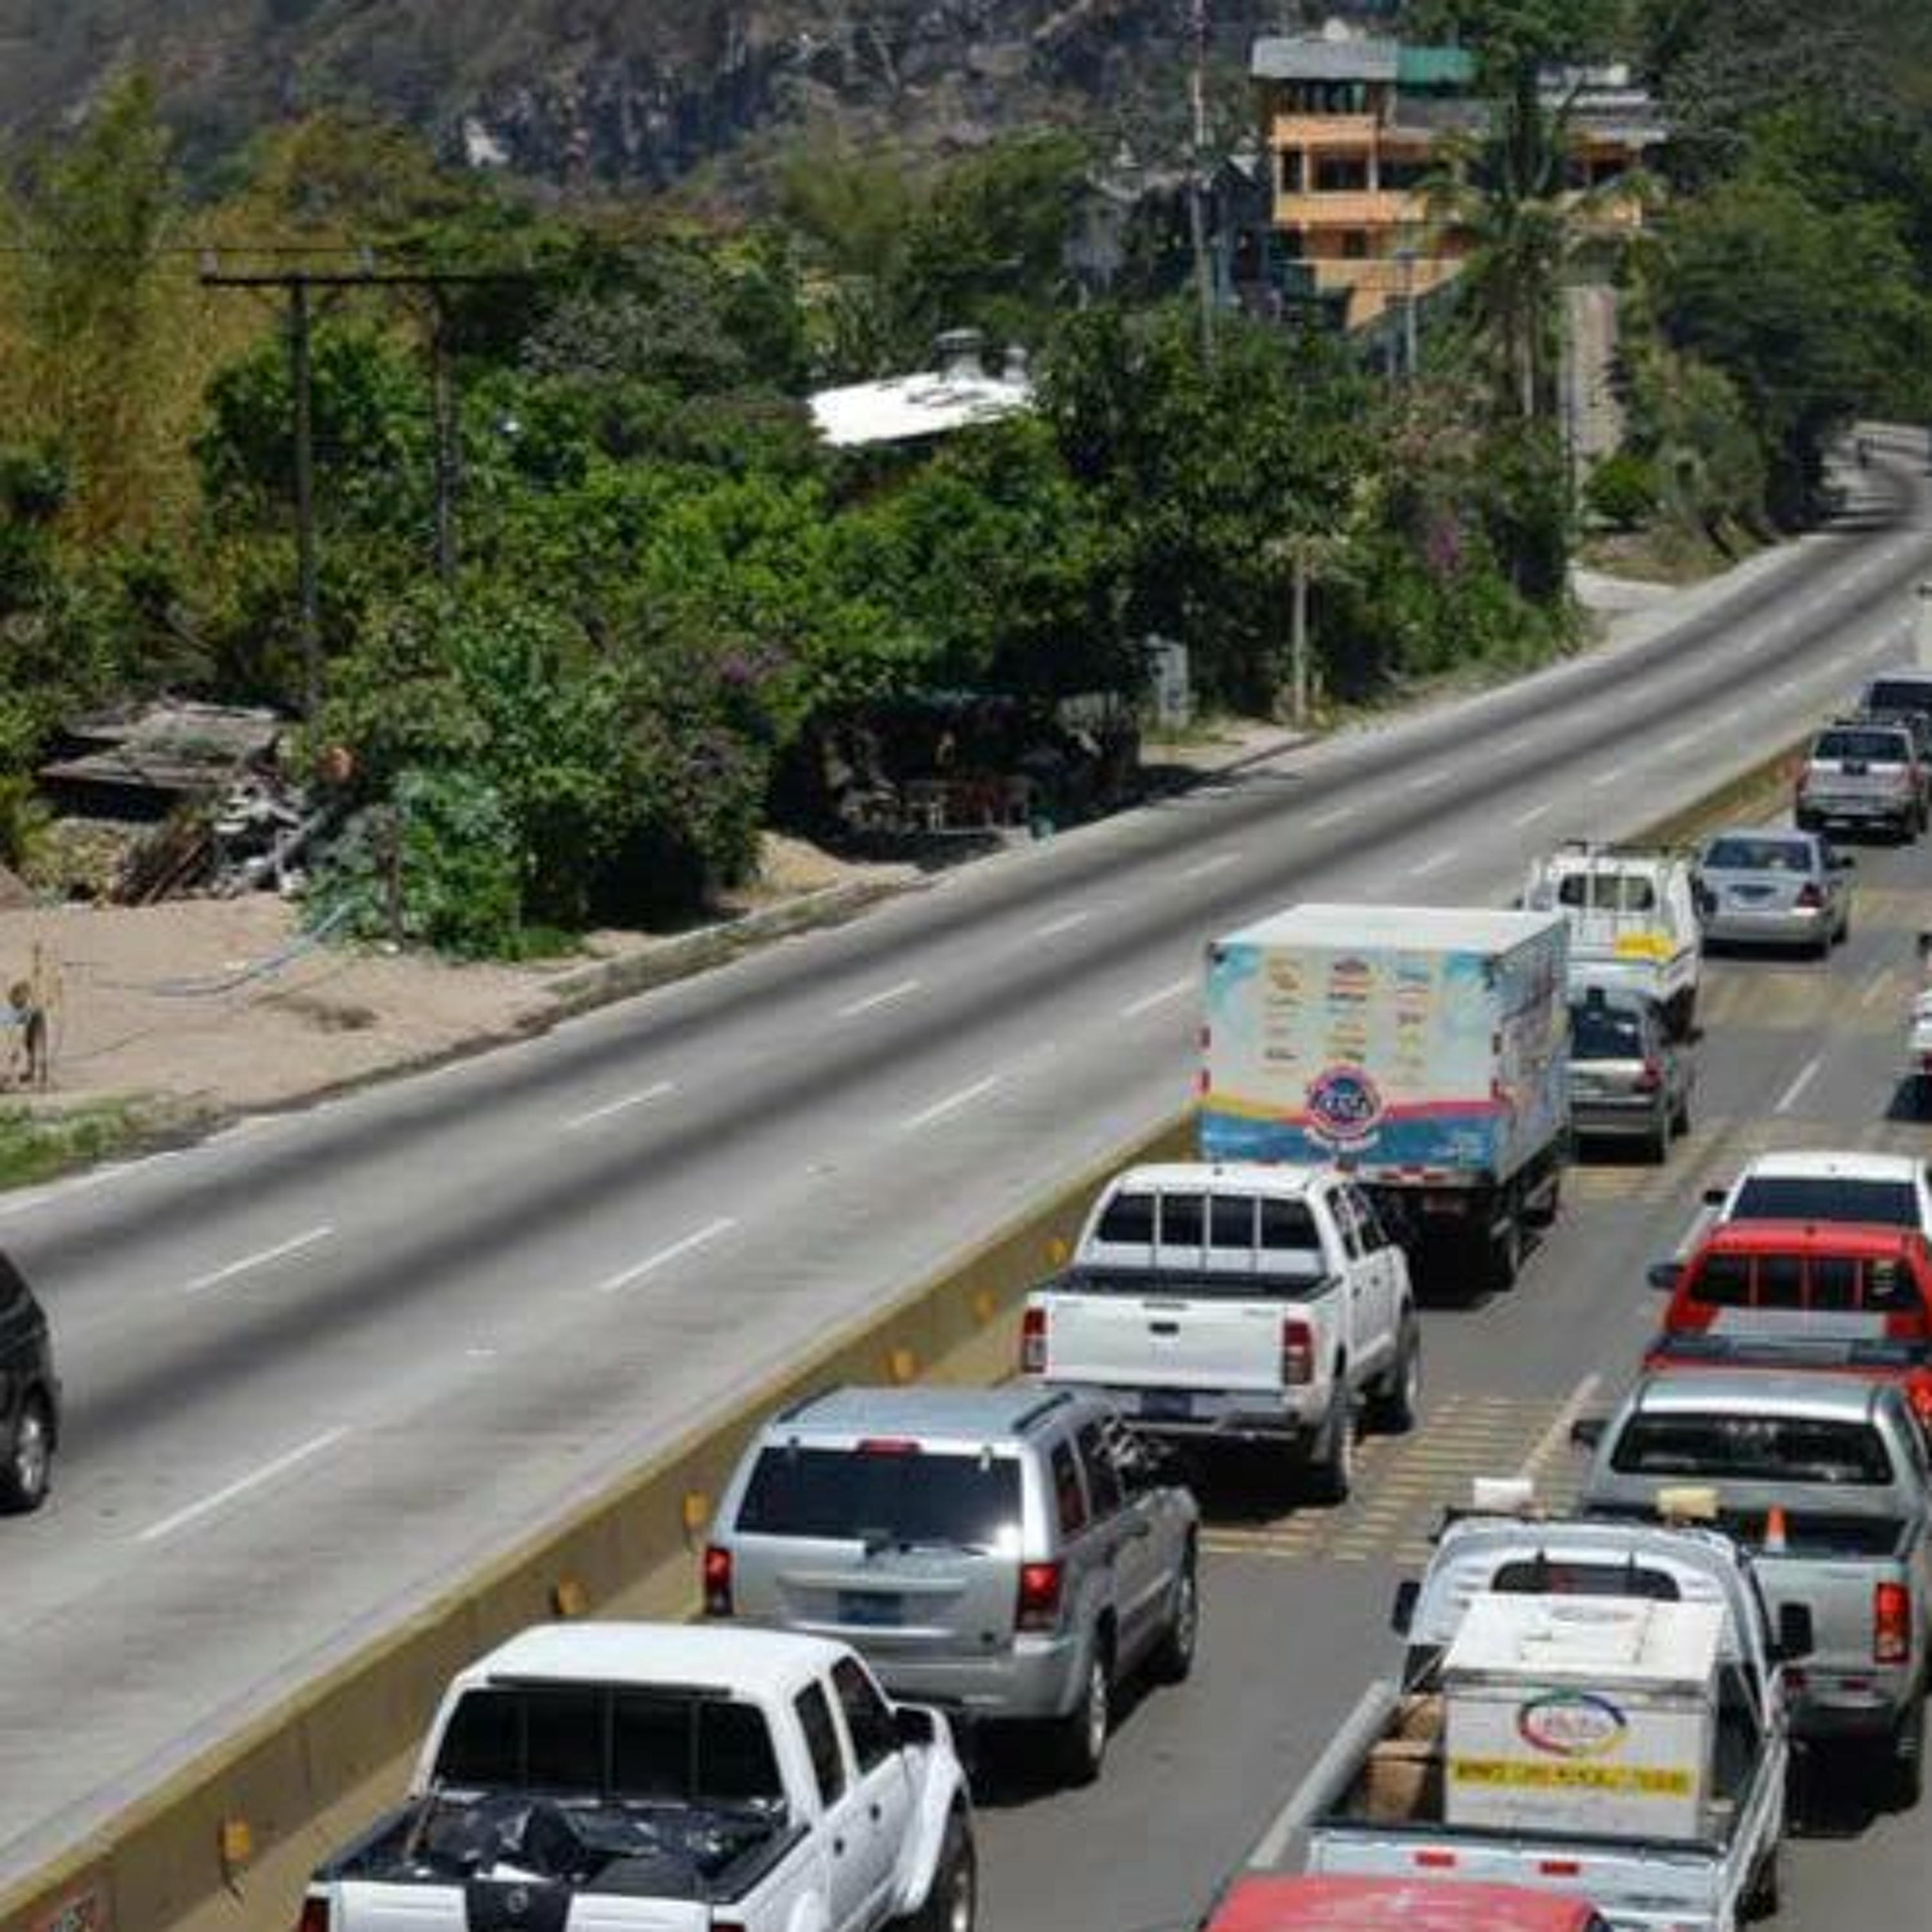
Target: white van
column 1633, row 921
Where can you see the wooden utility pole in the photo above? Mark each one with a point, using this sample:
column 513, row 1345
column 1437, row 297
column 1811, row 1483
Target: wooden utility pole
column 297, row 287
column 1197, row 183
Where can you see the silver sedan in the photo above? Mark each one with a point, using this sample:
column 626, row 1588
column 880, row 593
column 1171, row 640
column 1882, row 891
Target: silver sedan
column 1773, row 887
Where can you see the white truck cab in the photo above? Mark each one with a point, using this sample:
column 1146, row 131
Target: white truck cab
column 1634, row 921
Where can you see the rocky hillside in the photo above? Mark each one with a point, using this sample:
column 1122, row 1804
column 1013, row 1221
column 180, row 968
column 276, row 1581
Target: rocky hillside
column 634, row 91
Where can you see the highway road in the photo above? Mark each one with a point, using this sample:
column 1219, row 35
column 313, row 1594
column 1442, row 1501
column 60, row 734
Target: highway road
column 1201, row 1782
column 321, row 1365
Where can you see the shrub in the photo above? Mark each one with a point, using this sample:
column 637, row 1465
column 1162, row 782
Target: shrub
column 1623, row 490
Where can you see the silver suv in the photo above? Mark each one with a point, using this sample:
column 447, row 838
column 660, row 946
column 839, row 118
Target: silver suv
column 1005, row 1553
column 1860, row 772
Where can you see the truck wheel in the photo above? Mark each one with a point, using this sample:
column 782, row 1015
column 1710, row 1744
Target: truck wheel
column 1760, row 1901
column 1680, row 1121
column 1174, row 1656
column 1394, row 1407
column 1331, row 1465
column 28, row 1466
column 1080, row 1742
column 952, row 1899
column 1907, row 1763
column 1657, row 1146
column 1504, row 1259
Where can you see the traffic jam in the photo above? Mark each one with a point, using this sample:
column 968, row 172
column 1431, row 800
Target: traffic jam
column 1613, row 1713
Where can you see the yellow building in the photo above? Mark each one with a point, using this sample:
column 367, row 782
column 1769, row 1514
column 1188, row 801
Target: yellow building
column 1354, row 128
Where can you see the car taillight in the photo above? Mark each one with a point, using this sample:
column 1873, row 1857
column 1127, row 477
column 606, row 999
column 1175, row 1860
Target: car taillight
column 1810, row 898
column 1297, row 1352
column 717, row 1581
column 1039, row 1606
column 1651, row 1079
column 1891, row 1624
column 1033, row 1343
column 314, row 1916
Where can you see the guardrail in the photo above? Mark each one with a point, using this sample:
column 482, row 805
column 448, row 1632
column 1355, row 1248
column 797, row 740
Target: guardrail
column 226, row 1844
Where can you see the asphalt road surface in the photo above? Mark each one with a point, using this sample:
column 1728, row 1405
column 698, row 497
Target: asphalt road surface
column 1201, row 1780
column 323, row 1364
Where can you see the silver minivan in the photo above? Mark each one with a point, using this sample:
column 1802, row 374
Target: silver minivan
column 1006, row 1554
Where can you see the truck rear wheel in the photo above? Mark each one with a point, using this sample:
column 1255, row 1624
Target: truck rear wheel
column 1905, row 1766
column 1394, row 1405
column 1080, row 1740
column 952, row 1899
column 1504, row 1262
column 1331, row 1464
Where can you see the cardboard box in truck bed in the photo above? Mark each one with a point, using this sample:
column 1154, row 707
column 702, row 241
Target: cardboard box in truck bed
column 1418, row 1043
column 1593, row 1715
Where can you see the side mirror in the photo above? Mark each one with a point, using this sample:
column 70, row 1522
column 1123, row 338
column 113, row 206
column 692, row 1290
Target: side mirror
column 1843, row 862
column 1664, row 1275
column 1401, row 1612
column 914, row 1724
column 1587, row 1431
column 1716, row 1197
column 1796, row 1640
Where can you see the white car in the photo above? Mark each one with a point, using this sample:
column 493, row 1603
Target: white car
column 1887, row 1190
column 1218, row 1303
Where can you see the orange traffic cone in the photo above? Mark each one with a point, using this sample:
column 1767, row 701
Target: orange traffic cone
column 1774, row 1542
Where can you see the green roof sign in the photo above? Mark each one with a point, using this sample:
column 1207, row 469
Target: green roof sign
column 1434, row 67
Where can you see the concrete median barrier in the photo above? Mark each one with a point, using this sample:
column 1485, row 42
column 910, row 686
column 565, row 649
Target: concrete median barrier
column 225, row 1843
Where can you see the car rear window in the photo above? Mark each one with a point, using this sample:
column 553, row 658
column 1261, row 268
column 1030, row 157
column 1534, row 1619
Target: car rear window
column 594, row 1741
column 1790, row 1197
column 1128, row 1220
column 1604, row 1032
column 1873, row 747
column 896, row 1495
column 1753, row 1448
column 1608, row 892
column 1898, row 694
column 1539, row 1576
column 1819, row 1284
column 1759, row 855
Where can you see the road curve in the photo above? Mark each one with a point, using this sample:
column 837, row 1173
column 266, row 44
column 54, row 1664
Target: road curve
column 323, row 1362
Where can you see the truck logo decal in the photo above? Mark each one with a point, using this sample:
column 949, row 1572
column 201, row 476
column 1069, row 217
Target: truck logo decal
column 1571, row 1724
column 1344, row 1105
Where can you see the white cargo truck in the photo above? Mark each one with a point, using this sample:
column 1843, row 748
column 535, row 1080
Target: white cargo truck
column 1422, row 1049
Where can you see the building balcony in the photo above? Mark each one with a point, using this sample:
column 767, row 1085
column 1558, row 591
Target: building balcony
column 1325, row 131
column 1373, row 208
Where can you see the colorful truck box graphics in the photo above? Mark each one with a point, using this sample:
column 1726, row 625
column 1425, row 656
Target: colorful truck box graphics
column 1394, row 1038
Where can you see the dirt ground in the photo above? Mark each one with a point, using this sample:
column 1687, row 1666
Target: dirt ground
column 222, row 1005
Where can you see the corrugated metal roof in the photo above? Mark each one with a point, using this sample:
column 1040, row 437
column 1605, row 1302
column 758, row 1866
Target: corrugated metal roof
column 1312, row 57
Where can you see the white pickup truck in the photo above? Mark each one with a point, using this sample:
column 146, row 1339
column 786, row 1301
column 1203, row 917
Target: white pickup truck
column 1236, row 1302
column 1375, row 1806
column 649, row 1777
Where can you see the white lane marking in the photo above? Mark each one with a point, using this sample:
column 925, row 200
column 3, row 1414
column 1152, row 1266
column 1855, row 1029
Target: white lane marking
column 1608, row 777
column 260, row 1259
column 697, row 1238
column 944, row 1109
column 1807, row 1074
column 1435, row 862
column 1428, row 781
column 1845, row 659
column 1159, row 996
column 1335, row 816
column 1350, row 1742
column 1065, row 924
column 267, row 1473
column 872, row 1002
column 1880, row 982
column 642, row 1097
column 1684, row 740
column 1523, row 741
column 1535, row 812
column 1790, row 688
column 1553, row 1438
column 1219, row 863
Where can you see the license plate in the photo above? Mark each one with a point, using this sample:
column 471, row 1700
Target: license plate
column 868, row 1607
column 1750, row 895
column 1166, row 1405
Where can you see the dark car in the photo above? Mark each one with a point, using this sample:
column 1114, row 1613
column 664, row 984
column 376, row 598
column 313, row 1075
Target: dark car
column 29, row 1396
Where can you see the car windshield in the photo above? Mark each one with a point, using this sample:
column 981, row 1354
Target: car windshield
column 1873, row 747
column 895, row 1492
column 1753, row 1448
column 1890, row 694
column 1605, row 1032
column 591, row 1740
column 1759, row 855
column 1800, row 1197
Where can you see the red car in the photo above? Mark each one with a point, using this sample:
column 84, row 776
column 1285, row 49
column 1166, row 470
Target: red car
column 1833, row 1296
column 1398, row 1905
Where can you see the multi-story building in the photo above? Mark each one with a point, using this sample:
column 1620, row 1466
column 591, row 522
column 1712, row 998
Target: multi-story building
column 1356, row 128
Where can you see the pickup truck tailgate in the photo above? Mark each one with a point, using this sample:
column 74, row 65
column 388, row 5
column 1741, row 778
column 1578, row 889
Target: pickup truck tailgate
column 1652, row 1887
column 368, row 1906
column 1153, row 1340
